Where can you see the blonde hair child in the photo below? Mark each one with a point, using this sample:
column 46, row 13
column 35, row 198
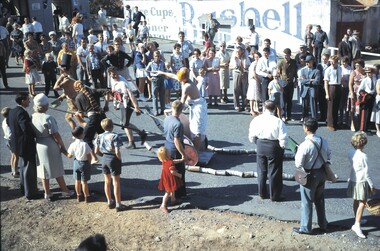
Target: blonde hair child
column 170, row 179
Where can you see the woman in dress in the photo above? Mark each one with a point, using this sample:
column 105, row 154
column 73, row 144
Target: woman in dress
column 355, row 80
column 254, row 86
column 212, row 67
column 49, row 147
column 309, row 36
column 177, row 61
column 31, row 73
column 224, row 72
column 16, row 37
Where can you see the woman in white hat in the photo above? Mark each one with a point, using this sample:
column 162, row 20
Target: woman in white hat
column 49, row 147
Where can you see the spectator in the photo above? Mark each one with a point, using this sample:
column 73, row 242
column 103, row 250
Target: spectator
column 254, row 86
column 264, row 69
column 94, row 68
column 177, row 62
column 212, row 67
column 91, row 38
column 31, row 73
column 195, row 64
column 27, row 27
column 137, row 15
column 3, row 54
column 16, row 37
column 158, row 88
column 102, row 15
column 269, row 134
column 212, row 27
column 81, row 54
column 272, row 52
column 308, row 158
column 344, row 49
column 319, row 40
column 343, row 112
column 56, row 44
column 49, row 69
column 7, row 136
column 108, row 146
column 275, row 93
column 66, row 38
column 366, row 98
column 37, row 29
column 224, row 72
column 309, row 37
column 64, row 23
column 356, row 45
column 186, row 47
column 49, row 147
column 322, row 103
column 254, row 38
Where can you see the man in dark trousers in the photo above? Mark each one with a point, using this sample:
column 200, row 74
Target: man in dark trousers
column 269, row 134
column 320, row 37
column 137, row 19
column 23, row 145
column 174, row 131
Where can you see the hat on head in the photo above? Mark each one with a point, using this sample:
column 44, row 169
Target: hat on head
column 309, row 58
column 368, row 69
column 52, row 33
column 303, row 46
column 355, row 32
column 287, row 51
column 66, row 61
column 41, row 100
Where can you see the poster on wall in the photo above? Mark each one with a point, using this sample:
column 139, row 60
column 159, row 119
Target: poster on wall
column 283, row 21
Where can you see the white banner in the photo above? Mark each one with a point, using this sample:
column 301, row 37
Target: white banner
column 282, row 21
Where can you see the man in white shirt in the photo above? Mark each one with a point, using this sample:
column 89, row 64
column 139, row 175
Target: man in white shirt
column 64, row 23
column 333, row 89
column 82, row 53
column 37, row 27
column 101, row 46
column 254, row 40
column 366, row 96
column 308, row 158
column 27, row 27
column 272, row 52
column 322, row 103
column 269, row 133
column 187, row 47
column 102, row 15
column 264, row 69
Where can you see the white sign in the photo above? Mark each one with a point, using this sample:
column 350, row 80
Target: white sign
column 283, row 21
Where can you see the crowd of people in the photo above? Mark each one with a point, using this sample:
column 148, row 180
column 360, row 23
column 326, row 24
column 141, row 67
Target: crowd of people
column 336, row 89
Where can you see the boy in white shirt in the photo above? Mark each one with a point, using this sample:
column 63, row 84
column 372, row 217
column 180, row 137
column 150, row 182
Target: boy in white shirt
column 84, row 157
column 275, row 91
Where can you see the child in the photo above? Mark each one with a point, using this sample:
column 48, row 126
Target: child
column 170, row 179
column 144, row 32
column 375, row 116
column 7, row 136
column 108, row 145
column 92, row 39
column 360, row 185
column 202, row 83
column 82, row 163
column 31, row 74
column 168, row 82
column 177, row 61
column 275, row 92
column 49, row 69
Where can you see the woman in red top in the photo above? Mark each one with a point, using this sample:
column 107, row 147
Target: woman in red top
column 170, row 178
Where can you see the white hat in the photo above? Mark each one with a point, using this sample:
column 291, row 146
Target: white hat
column 41, row 100
column 52, row 33
column 141, row 45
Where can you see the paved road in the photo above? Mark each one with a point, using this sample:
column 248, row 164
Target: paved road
column 227, row 129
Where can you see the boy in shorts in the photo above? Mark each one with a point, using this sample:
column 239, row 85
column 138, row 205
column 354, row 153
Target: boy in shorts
column 108, row 146
column 82, row 153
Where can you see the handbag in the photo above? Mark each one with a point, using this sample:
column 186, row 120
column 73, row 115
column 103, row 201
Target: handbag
column 300, row 176
column 326, row 166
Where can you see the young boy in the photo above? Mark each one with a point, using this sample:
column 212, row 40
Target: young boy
column 275, row 91
column 49, row 69
column 108, row 145
column 82, row 163
column 7, row 136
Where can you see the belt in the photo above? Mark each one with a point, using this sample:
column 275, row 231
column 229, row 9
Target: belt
column 92, row 113
column 109, row 154
column 272, row 140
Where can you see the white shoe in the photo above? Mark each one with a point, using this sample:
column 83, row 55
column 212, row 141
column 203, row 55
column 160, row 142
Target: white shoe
column 358, row 231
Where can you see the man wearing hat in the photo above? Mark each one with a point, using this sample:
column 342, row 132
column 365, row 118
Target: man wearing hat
column 22, row 144
column 309, row 80
column 287, row 68
column 356, row 45
column 254, row 38
column 303, row 51
column 333, row 88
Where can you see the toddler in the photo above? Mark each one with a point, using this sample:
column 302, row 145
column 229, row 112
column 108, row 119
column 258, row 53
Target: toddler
column 108, row 146
column 360, row 185
column 170, row 179
column 202, row 83
column 275, row 91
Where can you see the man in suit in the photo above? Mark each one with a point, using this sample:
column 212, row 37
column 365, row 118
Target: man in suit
column 137, row 15
column 344, row 48
column 23, row 145
column 310, row 79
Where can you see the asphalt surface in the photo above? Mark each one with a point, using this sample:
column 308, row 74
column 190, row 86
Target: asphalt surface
column 227, row 129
